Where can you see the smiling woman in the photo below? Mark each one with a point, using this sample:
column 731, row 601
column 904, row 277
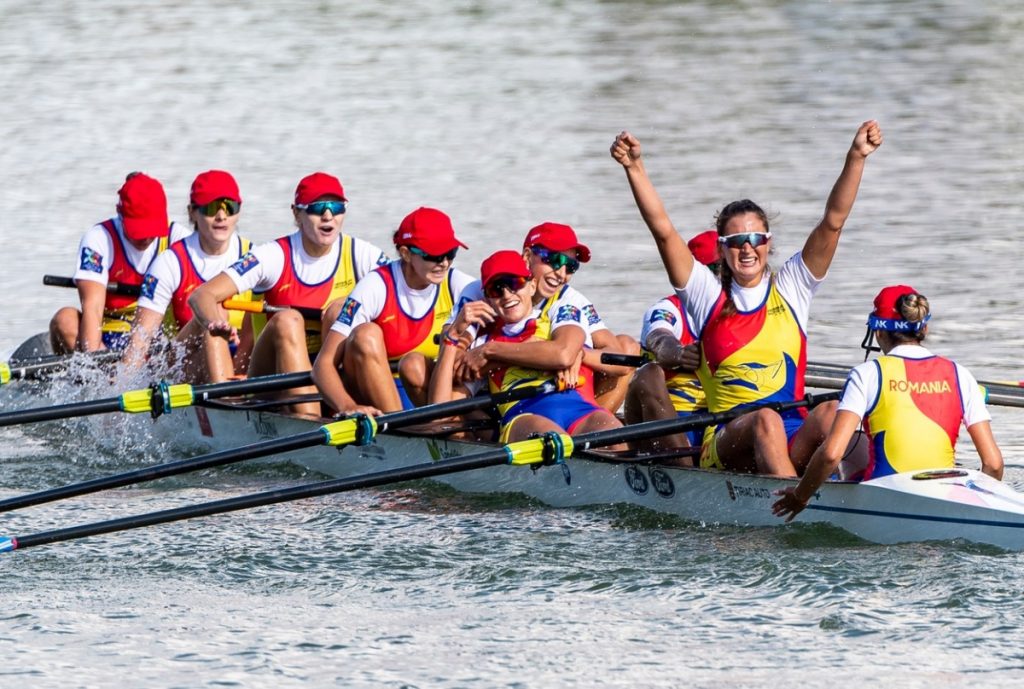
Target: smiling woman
column 752, row 325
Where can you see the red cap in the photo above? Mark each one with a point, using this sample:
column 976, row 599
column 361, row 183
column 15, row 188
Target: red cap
column 557, row 237
column 704, row 247
column 428, row 229
column 212, row 185
column 142, row 205
column 885, row 302
column 503, row 263
column 317, row 185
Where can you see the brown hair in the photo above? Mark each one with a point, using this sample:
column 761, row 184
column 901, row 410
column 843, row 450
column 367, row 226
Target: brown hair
column 913, row 308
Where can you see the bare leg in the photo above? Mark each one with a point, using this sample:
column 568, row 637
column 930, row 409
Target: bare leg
column 415, row 370
column 601, row 421
column 647, row 399
column 64, row 330
column 207, row 358
column 756, row 443
column 365, row 369
column 281, row 348
column 812, row 434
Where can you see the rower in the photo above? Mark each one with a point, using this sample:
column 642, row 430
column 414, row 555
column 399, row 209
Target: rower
column 752, row 325
column 315, row 267
column 117, row 250
column 392, row 320
column 911, row 401
column 668, row 386
column 554, row 255
column 214, row 208
column 517, row 348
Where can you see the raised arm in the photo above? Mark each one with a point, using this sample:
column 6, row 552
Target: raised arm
column 820, row 247
column 674, row 253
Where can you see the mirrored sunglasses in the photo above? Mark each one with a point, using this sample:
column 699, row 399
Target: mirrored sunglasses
column 230, row 206
column 440, row 258
column 736, row 241
column 505, row 283
column 556, row 259
column 321, row 207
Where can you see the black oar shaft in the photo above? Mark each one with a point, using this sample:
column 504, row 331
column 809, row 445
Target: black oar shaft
column 244, row 502
column 62, row 411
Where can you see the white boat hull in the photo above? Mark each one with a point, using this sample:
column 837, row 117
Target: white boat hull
column 968, row 505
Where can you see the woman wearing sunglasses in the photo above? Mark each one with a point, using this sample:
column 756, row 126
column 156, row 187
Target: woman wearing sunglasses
column 668, row 387
column 391, row 321
column 554, row 254
column 752, row 324
column 214, row 207
column 315, row 267
column 519, row 351
column 912, row 404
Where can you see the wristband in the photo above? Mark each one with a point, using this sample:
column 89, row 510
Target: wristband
column 452, row 341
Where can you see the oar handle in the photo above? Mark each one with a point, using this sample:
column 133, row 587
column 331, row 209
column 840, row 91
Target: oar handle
column 633, row 360
column 112, row 287
column 263, row 307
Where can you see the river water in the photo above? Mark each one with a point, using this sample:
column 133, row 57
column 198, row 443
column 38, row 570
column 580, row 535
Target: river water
column 502, row 114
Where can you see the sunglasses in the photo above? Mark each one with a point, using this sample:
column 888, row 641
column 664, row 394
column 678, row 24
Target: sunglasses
column 505, row 283
column 440, row 258
column 211, row 209
column 321, row 207
column 556, row 259
column 736, row 241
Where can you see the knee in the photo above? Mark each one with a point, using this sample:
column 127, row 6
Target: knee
column 768, row 423
column 648, row 377
column 65, row 320
column 628, row 345
column 365, row 342
column 413, row 369
column 287, row 326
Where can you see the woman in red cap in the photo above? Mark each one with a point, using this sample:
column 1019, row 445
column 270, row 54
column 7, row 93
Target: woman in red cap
column 668, row 386
column 554, row 254
column 214, row 208
column 391, row 321
column 315, row 267
column 115, row 251
column 912, row 404
column 752, row 324
column 519, row 350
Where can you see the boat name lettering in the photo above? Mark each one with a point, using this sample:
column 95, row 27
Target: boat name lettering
column 737, row 491
column 662, row 483
column 636, row 480
column 920, row 387
column 264, row 427
column 437, row 452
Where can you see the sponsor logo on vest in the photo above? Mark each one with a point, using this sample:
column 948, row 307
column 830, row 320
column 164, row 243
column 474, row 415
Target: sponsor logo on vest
column 662, row 483
column 776, row 310
column 636, row 480
column 920, row 387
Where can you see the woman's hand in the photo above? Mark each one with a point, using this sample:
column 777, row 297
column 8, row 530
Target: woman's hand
column 626, row 149
column 789, row 505
column 868, row 139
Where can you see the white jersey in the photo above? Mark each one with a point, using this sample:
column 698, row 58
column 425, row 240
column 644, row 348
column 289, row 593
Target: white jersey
column 570, row 307
column 261, row 268
column 366, row 301
column 96, row 251
column 863, row 387
column 794, row 281
column 663, row 315
column 164, row 275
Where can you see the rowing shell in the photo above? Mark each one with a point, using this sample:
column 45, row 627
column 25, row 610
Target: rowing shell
column 940, row 504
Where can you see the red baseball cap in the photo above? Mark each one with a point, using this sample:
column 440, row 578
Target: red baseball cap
column 142, row 206
column 704, row 247
column 557, row 237
column 885, row 302
column 316, row 185
column 212, row 185
column 504, row 262
column 429, row 230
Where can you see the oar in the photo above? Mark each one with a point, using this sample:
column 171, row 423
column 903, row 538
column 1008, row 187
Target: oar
column 357, row 429
column 29, row 368
column 833, row 377
column 236, row 304
column 158, row 399
column 548, row 449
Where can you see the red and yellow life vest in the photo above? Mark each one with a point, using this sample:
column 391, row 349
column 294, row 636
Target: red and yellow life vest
column 402, row 332
column 916, row 419
column 119, row 309
column 684, row 389
column 191, row 279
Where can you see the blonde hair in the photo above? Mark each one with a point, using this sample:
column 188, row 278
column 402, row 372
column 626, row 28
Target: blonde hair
column 913, row 308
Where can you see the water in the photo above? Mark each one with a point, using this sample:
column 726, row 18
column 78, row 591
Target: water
column 501, row 114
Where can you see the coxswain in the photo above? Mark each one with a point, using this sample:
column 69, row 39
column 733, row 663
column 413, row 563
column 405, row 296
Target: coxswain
column 668, row 386
column 392, row 321
column 752, row 324
column 214, row 208
column 315, row 267
column 911, row 404
column 115, row 251
column 519, row 350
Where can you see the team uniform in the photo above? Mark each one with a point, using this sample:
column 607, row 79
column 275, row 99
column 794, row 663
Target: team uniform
column 176, row 273
column 912, row 404
column 757, row 354
column 105, row 256
column 286, row 275
column 684, row 389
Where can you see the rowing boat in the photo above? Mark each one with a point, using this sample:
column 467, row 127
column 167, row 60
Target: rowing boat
column 940, row 504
